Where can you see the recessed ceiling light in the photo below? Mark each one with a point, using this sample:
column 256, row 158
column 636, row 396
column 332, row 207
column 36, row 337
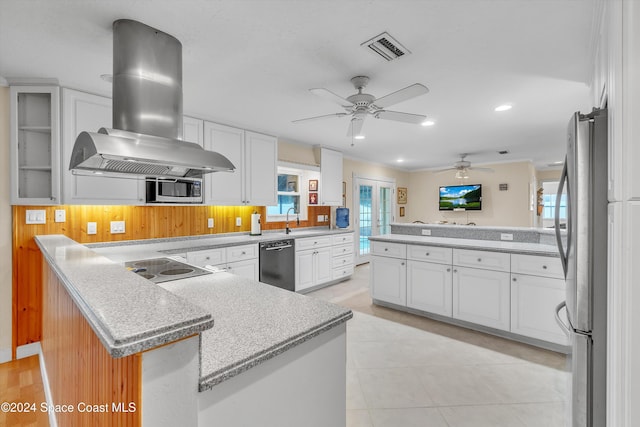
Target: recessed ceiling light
column 400, row 160
column 428, row 123
column 503, row 107
column 358, row 137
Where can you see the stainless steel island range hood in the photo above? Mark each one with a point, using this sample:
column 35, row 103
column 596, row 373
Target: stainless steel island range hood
column 147, row 113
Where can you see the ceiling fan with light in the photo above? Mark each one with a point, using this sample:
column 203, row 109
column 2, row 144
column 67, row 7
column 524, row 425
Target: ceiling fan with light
column 463, row 167
column 361, row 105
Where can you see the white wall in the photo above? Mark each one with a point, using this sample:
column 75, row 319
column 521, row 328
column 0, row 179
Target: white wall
column 5, row 231
column 504, row 208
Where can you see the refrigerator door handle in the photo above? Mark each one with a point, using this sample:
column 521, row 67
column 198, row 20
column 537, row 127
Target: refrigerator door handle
column 563, row 253
column 562, row 325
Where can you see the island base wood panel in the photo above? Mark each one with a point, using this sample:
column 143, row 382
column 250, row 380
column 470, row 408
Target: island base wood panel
column 80, row 371
column 142, row 222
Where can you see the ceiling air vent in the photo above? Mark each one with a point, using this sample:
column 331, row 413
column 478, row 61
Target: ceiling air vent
column 386, row 46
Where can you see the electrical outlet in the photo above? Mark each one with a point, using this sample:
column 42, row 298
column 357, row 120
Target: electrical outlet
column 92, row 228
column 506, row 236
column 210, row 223
column 61, row 215
column 117, row 227
column 36, row 217
column 426, row 232
column 321, row 218
column 238, row 221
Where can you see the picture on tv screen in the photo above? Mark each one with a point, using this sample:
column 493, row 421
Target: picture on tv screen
column 467, row 197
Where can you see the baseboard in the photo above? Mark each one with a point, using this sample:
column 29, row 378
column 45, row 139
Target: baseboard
column 53, row 422
column 5, row 355
column 28, row 350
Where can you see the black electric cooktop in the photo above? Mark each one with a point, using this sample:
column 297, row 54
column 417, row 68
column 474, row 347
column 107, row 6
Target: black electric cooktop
column 160, row 270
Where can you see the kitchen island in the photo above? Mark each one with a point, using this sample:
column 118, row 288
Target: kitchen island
column 506, row 281
column 213, row 348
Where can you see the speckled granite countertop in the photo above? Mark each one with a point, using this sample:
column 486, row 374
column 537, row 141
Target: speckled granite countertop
column 254, row 322
column 486, row 245
column 129, row 314
column 151, row 248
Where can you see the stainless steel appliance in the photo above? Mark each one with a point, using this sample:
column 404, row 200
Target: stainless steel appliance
column 147, row 113
column 277, row 264
column 584, row 258
column 160, row 270
column 174, row 190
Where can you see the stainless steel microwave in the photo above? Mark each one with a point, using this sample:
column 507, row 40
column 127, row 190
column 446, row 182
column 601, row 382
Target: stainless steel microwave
column 174, row 190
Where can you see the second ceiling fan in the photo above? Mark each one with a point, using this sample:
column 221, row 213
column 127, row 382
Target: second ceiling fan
column 361, row 105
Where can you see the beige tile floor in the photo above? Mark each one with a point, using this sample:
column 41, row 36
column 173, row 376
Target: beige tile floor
column 405, row 370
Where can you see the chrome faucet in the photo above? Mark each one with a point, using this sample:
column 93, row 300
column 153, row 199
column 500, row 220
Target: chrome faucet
column 287, row 229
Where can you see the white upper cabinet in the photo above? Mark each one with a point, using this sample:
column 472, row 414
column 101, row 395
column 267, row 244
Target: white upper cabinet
column 330, row 177
column 254, row 182
column 193, row 130
column 87, row 112
column 35, row 145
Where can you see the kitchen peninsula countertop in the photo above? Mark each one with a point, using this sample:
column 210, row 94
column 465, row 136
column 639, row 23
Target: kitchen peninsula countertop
column 242, row 322
column 461, row 243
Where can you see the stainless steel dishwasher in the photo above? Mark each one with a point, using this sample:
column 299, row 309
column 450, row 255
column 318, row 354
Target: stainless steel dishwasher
column 277, row 264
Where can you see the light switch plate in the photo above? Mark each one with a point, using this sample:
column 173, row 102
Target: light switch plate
column 321, row 218
column 426, row 232
column 34, row 216
column 506, row 236
column 117, row 227
column 238, row 221
column 92, row 228
column 210, row 222
column 61, row 215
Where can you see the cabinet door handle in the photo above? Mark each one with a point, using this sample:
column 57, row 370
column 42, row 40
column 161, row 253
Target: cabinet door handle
column 455, row 271
column 402, row 263
column 448, row 270
column 207, row 258
column 244, row 253
column 427, row 254
column 544, row 267
column 514, row 279
column 386, row 249
column 479, row 259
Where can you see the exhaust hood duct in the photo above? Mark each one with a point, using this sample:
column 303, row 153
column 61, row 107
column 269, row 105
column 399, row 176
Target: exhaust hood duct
column 147, row 113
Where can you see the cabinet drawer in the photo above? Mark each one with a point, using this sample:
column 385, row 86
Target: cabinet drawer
column 537, row 265
column 312, row 242
column 339, row 273
column 341, row 261
column 240, row 253
column 342, row 250
column 393, row 250
column 498, row 261
column 430, row 253
column 207, row 257
column 343, row 239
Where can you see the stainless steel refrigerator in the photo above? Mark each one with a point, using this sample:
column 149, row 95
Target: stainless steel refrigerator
column 584, row 257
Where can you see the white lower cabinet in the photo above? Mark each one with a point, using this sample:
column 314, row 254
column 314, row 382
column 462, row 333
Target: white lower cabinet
column 482, row 297
column 240, row 260
column 429, row 287
column 533, row 303
column 313, row 267
column 388, row 278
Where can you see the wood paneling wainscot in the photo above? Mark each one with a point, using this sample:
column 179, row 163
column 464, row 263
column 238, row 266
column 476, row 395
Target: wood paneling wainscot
column 142, row 222
column 95, row 389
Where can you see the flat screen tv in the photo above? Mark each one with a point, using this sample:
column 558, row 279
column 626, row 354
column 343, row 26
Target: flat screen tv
column 461, row 197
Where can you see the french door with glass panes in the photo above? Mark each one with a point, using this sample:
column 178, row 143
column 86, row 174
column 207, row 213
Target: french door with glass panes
column 373, row 209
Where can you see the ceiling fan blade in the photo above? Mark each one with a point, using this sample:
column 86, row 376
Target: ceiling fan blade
column 400, row 117
column 326, row 116
column 444, row 170
column 481, row 169
column 401, row 95
column 355, row 127
column 330, row 96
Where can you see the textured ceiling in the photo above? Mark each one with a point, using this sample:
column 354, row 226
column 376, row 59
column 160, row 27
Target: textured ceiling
column 250, row 63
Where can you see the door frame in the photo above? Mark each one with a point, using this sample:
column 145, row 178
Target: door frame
column 356, row 180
